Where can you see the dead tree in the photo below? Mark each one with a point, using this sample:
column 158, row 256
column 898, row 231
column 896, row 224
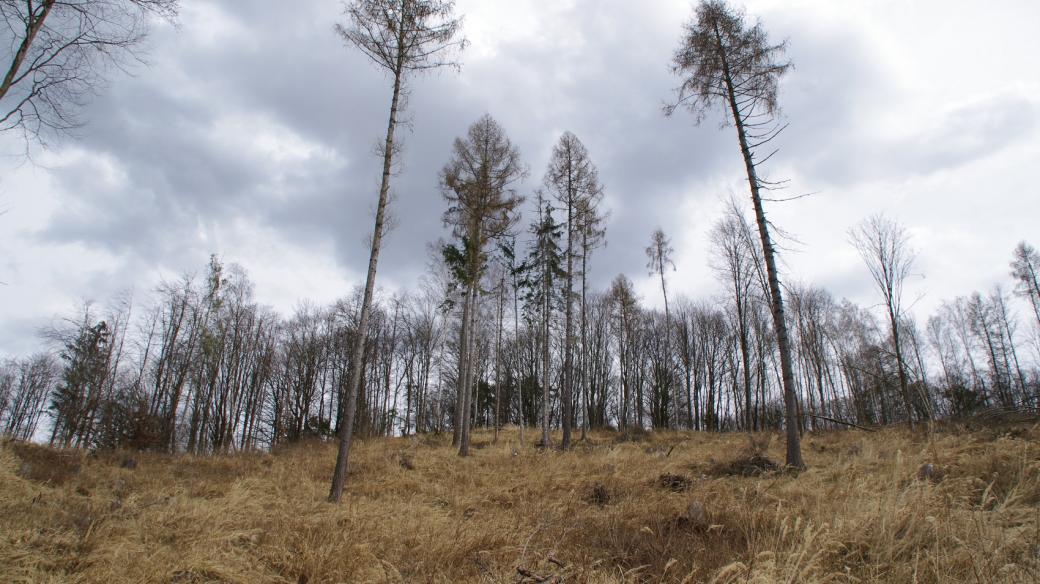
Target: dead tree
column 659, row 258
column 885, row 248
column 573, row 180
column 478, row 183
column 736, row 264
column 723, row 59
column 401, row 37
column 1024, row 269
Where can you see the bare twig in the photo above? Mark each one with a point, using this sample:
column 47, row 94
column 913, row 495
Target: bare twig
column 857, row 426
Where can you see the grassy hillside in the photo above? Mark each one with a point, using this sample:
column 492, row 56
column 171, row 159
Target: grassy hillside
column 662, row 508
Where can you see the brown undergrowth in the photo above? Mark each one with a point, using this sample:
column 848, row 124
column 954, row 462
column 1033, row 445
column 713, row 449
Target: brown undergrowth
column 665, row 508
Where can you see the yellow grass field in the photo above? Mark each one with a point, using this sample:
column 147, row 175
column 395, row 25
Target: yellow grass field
column 660, row 508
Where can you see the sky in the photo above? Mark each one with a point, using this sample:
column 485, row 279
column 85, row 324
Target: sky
column 251, row 133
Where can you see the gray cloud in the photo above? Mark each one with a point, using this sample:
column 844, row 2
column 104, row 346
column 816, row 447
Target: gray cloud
column 261, row 123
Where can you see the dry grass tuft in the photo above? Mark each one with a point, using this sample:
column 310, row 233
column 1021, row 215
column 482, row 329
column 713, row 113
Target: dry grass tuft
column 602, row 512
column 45, row 465
column 674, row 482
column 745, row 466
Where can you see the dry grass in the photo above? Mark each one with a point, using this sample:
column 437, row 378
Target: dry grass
column 608, row 511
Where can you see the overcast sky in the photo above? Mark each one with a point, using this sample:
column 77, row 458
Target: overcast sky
column 251, row 135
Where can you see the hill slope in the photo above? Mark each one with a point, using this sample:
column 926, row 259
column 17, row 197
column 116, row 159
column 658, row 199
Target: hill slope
column 665, row 508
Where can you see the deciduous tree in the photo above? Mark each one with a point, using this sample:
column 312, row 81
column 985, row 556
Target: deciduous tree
column 57, row 54
column 885, row 248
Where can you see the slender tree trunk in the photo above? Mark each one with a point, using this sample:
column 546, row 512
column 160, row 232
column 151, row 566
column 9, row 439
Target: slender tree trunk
column 498, row 356
column 667, row 352
column 33, row 25
column 904, row 387
column 463, row 370
column 568, row 335
column 516, row 348
column 794, row 450
column 745, row 356
column 462, row 413
column 545, row 357
column 346, row 425
column 623, row 366
column 585, row 365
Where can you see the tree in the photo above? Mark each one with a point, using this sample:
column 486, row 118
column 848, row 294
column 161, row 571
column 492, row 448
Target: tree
column 592, row 233
column 623, row 297
column 507, row 250
column 57, row 54
column 1024, row 269
column 86, row 353
column 885, row 248
column 736, row 264
column 401, row 37
column 658, row 259
column 544, row 268
column 573, row 180
column 478, row 183
column 724, row 60
column 24, row 388
column 501, row 292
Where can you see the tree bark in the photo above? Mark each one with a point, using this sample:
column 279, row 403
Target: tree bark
column 462, row 413
column 568, row 335
column 794, row 451
column 347, row 414
column 32, row 27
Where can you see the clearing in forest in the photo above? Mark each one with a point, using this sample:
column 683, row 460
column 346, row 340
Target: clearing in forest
column 657, row 507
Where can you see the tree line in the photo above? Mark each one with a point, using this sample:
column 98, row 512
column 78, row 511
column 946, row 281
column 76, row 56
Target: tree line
column 201, row 367
column 504, row 329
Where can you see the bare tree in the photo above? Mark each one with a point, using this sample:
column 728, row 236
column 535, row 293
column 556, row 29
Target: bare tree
column 402, row 37
column 593, row 234
column 623, row 297
column 24, row 388
column 1024, row 269
column 573, row 180
column 478, row 183
column 723, row 59
column 57, row 53
column 736, row 263
column 885, row 248
column 659, row 258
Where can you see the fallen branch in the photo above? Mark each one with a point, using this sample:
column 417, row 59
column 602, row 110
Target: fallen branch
column 534, row 577
column 857, row 426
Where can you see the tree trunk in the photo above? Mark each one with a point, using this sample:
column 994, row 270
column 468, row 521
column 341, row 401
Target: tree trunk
column 33, row 26
column 516, row 347
column 667, row 351
column 462, row 413
column 568, row 335
column 585, row 365
column 346, row 426
column 794, row 450
column 545, row 357
column 903, row 386
column 498, row 356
